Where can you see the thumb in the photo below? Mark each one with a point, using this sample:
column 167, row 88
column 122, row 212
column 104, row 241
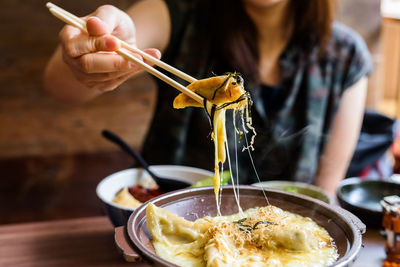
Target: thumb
column 90, row 44
column 96, row 27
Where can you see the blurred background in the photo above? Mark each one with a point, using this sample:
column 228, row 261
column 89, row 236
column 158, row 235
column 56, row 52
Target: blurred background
column 52, row 155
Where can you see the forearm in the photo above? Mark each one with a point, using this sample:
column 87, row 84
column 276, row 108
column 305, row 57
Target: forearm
column 339, row 150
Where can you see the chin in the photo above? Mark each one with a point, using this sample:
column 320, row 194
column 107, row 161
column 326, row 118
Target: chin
column 263, row 3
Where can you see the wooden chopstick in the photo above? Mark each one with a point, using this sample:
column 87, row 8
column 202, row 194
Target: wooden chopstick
column 124, row 51
column 125, row 45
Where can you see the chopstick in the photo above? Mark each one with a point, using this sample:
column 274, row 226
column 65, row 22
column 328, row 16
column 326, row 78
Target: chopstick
column 124, row 51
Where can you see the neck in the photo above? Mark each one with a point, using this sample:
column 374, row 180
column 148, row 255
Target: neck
column 274, row 28
column 272, row 22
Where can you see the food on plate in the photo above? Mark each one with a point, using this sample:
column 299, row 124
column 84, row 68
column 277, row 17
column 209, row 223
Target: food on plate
column 263, row 236
column 134, row 196
column 143, row 193
column 124, row 198
column 218, row 90
column 220, row 93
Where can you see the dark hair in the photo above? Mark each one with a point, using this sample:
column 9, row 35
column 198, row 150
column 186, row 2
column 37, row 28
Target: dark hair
column 235, row 36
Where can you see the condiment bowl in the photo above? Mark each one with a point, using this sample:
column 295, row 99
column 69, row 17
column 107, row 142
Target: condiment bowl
column 110, row 185
column 362, row 197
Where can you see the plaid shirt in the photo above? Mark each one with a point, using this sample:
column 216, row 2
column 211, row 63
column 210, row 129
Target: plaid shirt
column 290, row 141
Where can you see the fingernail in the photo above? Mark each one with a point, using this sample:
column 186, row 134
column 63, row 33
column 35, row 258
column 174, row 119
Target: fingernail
column 96, row 18
column 138, row 56
column 133, row 65
column 158, row 53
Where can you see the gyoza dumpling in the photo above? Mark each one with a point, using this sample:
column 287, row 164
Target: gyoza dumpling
column 217, row 90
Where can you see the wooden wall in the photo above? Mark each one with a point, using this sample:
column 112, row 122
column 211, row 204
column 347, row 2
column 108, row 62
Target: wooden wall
column 390, row 69
column 51, row 154
column 364, row 17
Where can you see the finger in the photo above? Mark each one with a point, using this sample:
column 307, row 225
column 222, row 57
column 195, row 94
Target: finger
column 105, row 62
column 110, row 85
column 119, row 23
column 93, row 78
column 81, row 44
column 96, row 27
column 68, row 32
column 152, row 52
column 103, row 20
column 81, row 64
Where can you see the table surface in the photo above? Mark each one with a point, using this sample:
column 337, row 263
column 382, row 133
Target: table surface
column 90, row 241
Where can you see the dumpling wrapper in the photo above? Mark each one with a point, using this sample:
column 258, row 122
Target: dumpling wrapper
column 225, row 89
column 217, row 90
column 124, row 198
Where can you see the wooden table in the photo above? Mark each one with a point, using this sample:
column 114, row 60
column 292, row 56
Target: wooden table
column 90, row 241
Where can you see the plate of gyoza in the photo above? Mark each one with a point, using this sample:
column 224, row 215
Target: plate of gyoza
column 183, row 228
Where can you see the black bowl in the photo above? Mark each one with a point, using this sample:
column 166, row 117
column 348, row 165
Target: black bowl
column 362, row 197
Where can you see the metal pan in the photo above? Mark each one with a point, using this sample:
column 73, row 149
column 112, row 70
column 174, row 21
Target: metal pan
column 192, row 203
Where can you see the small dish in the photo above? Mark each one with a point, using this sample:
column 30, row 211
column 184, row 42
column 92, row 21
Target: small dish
column 362, row 197
column 110, row 185
column 299, row 188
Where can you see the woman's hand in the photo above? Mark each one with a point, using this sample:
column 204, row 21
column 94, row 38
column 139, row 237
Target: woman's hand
column 91, row 57
column 85, row 64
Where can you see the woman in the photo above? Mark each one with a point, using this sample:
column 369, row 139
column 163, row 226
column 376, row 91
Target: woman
column 306, row 75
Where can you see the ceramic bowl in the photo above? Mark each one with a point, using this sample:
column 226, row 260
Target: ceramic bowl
column 192, row 203
column 362, row 197
column 110, row 185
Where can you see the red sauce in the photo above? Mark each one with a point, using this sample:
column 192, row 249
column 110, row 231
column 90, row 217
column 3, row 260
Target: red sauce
column 143, row 194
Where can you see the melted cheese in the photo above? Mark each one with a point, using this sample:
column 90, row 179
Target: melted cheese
column 266, row 236
column 222, row 93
